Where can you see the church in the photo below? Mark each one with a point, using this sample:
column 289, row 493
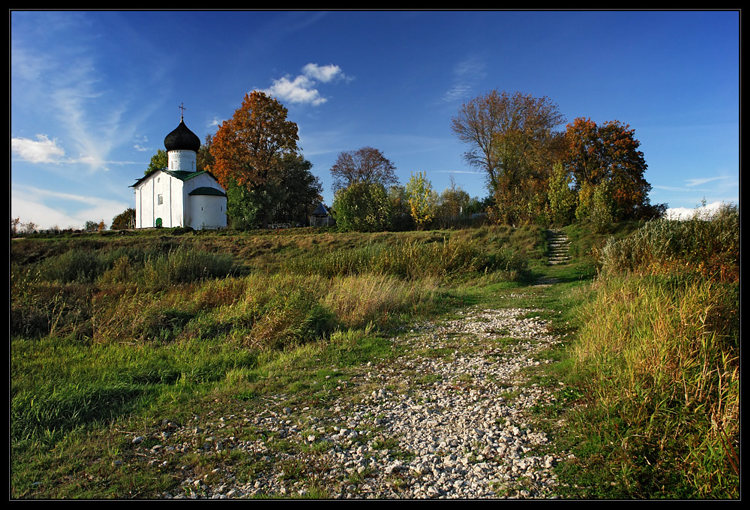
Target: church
column 179, row 195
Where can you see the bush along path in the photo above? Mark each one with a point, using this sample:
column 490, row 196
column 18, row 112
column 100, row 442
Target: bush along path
column 446, row 418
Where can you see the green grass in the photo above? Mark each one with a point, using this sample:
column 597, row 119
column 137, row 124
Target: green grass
column 115, row 332
column 111, row 333
column 654, row 366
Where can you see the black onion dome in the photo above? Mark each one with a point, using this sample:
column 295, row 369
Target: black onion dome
column 182, row 139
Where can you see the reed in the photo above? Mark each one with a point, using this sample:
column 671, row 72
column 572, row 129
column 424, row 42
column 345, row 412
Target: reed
column 658, row 350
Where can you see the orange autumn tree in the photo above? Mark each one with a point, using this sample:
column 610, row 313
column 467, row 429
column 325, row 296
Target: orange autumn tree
column 248, row 149
column 608, row 154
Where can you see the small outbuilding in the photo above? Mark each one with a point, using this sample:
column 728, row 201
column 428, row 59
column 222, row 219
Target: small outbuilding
column 321, row 217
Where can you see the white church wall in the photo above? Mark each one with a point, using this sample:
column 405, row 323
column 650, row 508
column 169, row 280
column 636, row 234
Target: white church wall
column 145, row 202
column 215, row 211
column 160, row 196
column 207, row 211
column 176, row 201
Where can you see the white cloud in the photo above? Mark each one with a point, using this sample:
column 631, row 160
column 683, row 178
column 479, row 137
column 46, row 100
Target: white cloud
column 41, row 150
column 322, row 73
column 302, row 88
column 297, row 90
column 686, row 213
column 44, row 150
column 30, row 203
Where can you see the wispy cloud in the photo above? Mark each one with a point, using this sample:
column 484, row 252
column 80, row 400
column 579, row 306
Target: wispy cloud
column 698, row 184
column 65, row 84
column 466, row 74
column 41, row 206
column 302, row 88
column 705, row 180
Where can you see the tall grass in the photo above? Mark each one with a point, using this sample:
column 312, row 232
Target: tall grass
column 710, row 246
column 659, row 351
column 414, row 259
column 185, row 265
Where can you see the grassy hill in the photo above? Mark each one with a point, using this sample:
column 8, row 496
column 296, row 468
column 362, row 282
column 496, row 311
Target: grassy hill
column 113, row 332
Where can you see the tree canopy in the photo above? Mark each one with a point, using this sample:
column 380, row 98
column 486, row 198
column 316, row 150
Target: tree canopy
column 362, row 206
column 507, row 133
column 422, row 199
column 125, row 219
column 363, row 165
column 608, row 153
column 248, row 148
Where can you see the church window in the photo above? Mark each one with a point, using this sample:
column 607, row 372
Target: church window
column 160, row 199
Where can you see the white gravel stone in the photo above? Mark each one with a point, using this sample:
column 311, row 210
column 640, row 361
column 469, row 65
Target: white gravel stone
column 421, row 426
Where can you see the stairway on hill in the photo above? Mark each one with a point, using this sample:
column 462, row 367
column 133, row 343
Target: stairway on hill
column 558, row 244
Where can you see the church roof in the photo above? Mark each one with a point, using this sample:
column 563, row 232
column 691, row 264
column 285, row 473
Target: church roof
column 182, row 139
column 183, row 175
column 204, row 190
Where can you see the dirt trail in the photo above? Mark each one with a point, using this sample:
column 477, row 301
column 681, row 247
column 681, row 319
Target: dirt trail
column 446, row 419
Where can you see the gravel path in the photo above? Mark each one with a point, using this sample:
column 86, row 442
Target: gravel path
column 444, row 420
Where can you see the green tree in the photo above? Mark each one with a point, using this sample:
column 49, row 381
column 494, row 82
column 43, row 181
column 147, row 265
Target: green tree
column 204, row 159
column 561, row 197
column 400, row 212
column 125, row 219
column 453, row 205
column 596, row 206
column 288, row 199
column 422, row 199
column 363, row 206
column 603, row 207
column 159, row 161
column 298, row 193
column 245, row 206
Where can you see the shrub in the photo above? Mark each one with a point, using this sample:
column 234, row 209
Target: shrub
column 363, row 207
column 72, row 266
column 707, row 246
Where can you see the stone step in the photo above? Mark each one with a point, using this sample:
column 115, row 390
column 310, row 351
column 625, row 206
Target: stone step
column 558, row 248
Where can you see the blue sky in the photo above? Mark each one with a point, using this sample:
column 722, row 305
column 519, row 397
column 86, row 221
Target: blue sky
column 93, row 94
